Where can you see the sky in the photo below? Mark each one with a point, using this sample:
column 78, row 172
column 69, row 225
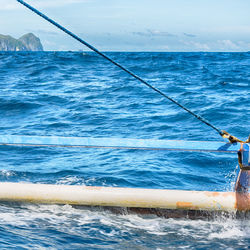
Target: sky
column 134, row 25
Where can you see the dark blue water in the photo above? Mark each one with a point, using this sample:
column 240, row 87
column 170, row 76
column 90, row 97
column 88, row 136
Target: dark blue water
column 79, row 94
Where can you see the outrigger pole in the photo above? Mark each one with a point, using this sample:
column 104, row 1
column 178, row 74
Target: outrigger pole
column 170, row 200
column 223, row 133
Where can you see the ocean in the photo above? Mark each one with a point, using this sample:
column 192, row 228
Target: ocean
column 80, row 94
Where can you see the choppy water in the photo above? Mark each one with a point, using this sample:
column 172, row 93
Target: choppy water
column 79, row 94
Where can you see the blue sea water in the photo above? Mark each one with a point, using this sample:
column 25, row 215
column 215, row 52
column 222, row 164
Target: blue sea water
column 80, row 94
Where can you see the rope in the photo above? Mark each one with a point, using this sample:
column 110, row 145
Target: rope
column 221, row 132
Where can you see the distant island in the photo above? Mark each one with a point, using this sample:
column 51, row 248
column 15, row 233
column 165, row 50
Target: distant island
column 28, row 42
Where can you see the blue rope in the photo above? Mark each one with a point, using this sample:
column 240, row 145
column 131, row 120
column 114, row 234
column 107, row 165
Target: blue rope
column 118, row 65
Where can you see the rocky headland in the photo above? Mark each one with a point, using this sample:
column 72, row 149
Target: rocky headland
column 28, row 42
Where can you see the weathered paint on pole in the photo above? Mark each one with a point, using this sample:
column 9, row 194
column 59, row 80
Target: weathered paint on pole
column 124, row 197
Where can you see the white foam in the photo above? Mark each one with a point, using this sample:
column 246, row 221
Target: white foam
column 70, row 220
column 69, row 180
column 7, row 173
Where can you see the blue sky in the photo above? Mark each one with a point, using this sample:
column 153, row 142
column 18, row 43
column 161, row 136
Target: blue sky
column 135, row 25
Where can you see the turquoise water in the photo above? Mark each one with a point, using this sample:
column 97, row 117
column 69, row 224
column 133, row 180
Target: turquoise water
column 79, row 94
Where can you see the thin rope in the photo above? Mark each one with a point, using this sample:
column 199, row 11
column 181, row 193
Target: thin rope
column 118, row 65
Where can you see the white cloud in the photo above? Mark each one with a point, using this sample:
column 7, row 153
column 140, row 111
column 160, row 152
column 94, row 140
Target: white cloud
column 153, row 33
column 228, row 45
column 7, row 5
column 218, row 45
column 194, row 46
column 55, row 3
column 189, row 35
column 244, row 45
column 165, row 47
column 236, row 29
column 12, row 5
column 201, row 46
column 160, row 33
